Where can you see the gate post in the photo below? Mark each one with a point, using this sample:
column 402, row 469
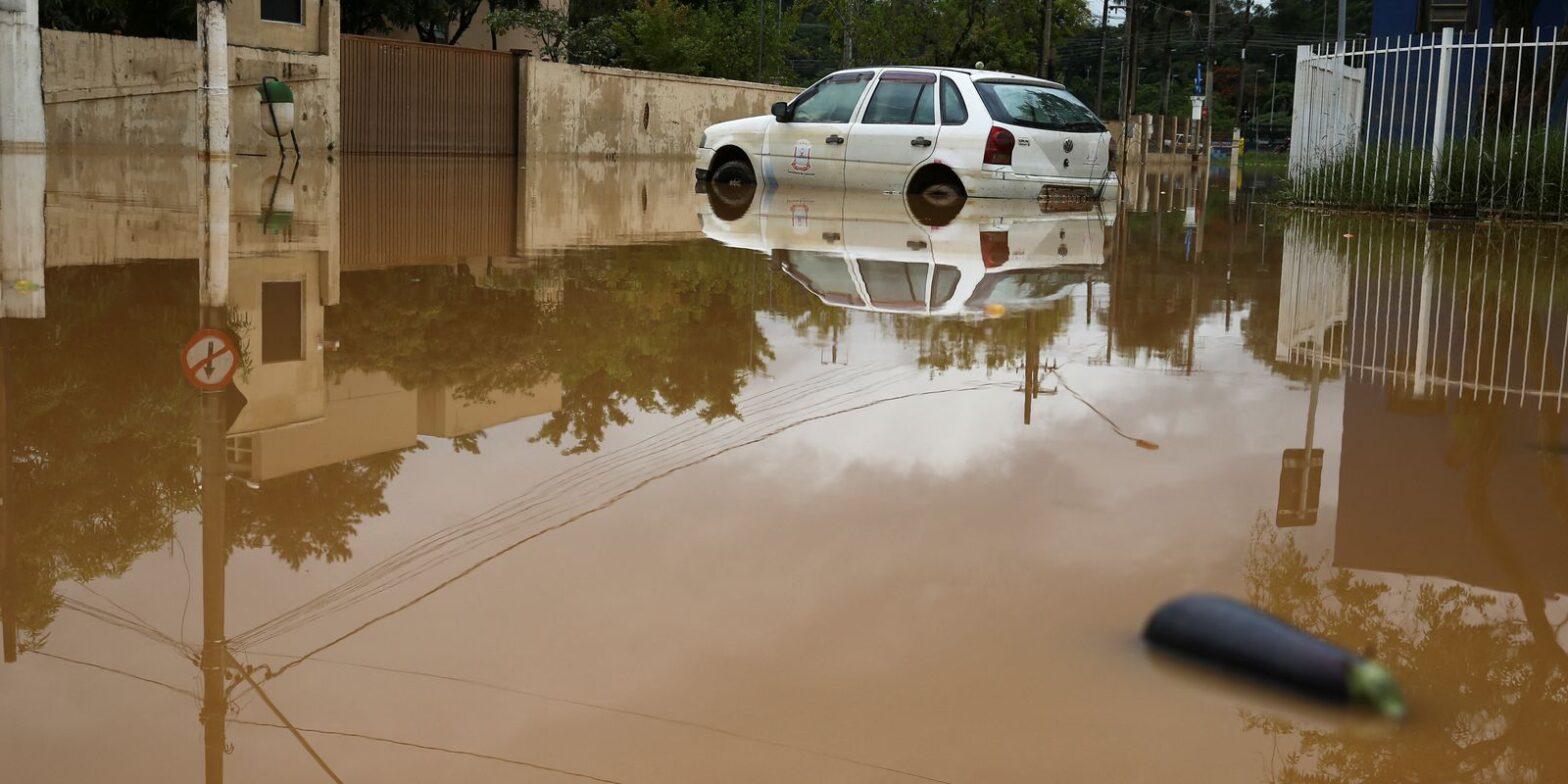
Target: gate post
column 1445, row 62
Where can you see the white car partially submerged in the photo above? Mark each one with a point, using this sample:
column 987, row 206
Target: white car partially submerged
column 971, row 133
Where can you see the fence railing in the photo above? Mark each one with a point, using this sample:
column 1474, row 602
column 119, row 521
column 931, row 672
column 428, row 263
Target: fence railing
column 1472, row 120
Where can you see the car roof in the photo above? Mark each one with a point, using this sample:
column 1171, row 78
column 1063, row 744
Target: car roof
column 975, row 74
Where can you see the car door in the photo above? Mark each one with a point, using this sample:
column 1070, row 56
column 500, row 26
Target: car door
column 807, row 147
column 896, row 132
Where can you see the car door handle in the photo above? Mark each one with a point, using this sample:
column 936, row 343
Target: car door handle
column 915, row 245
column 830, row 236
column 920, row 141
column 835, row 139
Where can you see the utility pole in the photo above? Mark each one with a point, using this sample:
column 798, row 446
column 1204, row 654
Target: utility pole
column 212, row 39
column 1341, row 37
column 1208, row 79
column 1043, row 67
column 1099, row 85
column 1129, row 66
column 762, row 22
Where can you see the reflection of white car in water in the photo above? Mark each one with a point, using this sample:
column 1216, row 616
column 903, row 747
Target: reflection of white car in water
column 871, row 252
column 913, row 130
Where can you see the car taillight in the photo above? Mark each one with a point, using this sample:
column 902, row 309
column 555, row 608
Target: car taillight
column 993, row 248
column 999, row 147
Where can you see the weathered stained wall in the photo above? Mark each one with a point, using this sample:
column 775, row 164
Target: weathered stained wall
column 592, row 111
column 247, row 28
column 570, row 202
column 114, row 209
column 115, row 91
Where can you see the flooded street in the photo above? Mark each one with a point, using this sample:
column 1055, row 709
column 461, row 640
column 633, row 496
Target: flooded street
column 567, row 473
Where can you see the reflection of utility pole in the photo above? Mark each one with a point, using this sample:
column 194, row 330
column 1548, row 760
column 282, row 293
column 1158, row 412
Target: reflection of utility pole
column 214, row 554
column 7, row 530
column 1301, row 472
column 214, row 298
column 1031, row 366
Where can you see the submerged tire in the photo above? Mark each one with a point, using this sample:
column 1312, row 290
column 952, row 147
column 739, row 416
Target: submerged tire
column 736, row 171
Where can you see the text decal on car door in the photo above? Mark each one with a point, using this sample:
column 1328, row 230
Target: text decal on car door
column 802, row 162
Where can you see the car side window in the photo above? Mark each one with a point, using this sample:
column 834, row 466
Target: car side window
column 953, row 110
column 831, row 100
column 903, row 98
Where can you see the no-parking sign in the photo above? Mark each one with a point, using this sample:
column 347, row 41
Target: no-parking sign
column 209, row 360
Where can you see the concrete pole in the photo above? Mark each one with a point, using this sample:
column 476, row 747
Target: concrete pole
column 1445, row 65
column 1099, row 84
column 22, row 176
column 1208, row 75
column 212, row 40
column 215, row 219
column 1047, row 11
column 1341, row 38
column 21, row 76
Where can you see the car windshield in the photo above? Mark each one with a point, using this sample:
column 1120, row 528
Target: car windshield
column 1037, row 106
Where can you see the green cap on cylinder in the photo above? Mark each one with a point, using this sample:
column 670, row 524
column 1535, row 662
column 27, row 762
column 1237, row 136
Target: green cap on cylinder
column 1371, row 684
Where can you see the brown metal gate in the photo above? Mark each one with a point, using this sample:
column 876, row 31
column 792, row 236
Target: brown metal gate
column 406, row 97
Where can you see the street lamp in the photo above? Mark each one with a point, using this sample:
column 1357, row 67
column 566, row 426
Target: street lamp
column 1274, row 84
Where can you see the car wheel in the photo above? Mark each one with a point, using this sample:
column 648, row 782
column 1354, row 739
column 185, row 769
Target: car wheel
column 734, row 172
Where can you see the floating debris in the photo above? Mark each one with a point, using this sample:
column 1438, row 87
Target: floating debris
column 1228, row 633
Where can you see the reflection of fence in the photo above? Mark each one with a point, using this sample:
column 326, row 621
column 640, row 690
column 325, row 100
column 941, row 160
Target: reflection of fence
column 1453, row 117
column 404, row 97
column 400, row 210
column 1153, row 138
column 1474, row 315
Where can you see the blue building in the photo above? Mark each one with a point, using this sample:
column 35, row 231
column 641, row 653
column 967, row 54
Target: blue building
column 1409, row 17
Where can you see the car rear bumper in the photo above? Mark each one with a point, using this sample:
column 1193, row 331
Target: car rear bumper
column 1012, row 185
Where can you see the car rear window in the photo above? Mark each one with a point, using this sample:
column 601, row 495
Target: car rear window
column 1037, row 106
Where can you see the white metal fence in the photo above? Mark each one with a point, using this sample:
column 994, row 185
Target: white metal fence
column 1457, row 118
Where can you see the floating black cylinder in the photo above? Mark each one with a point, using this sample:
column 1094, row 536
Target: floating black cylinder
column 1228, row 633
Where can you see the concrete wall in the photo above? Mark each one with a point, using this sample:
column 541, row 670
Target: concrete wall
column 113, row 209
column 574, row 202
column 247, row 28
column 115, row 91
column 613, row 112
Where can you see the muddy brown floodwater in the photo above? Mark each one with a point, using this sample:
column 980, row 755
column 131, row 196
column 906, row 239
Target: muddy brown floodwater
column 565, row 473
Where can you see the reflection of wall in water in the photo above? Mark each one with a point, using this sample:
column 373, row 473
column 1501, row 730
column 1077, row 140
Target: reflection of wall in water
column 1405, row 506
column 1451, row 348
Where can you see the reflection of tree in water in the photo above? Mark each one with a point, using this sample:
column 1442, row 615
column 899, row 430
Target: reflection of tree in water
column 312, row 514
column 102, row 434
column 1492, row 673
column 643, row 327
column 433, row 326
column 102, row 438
